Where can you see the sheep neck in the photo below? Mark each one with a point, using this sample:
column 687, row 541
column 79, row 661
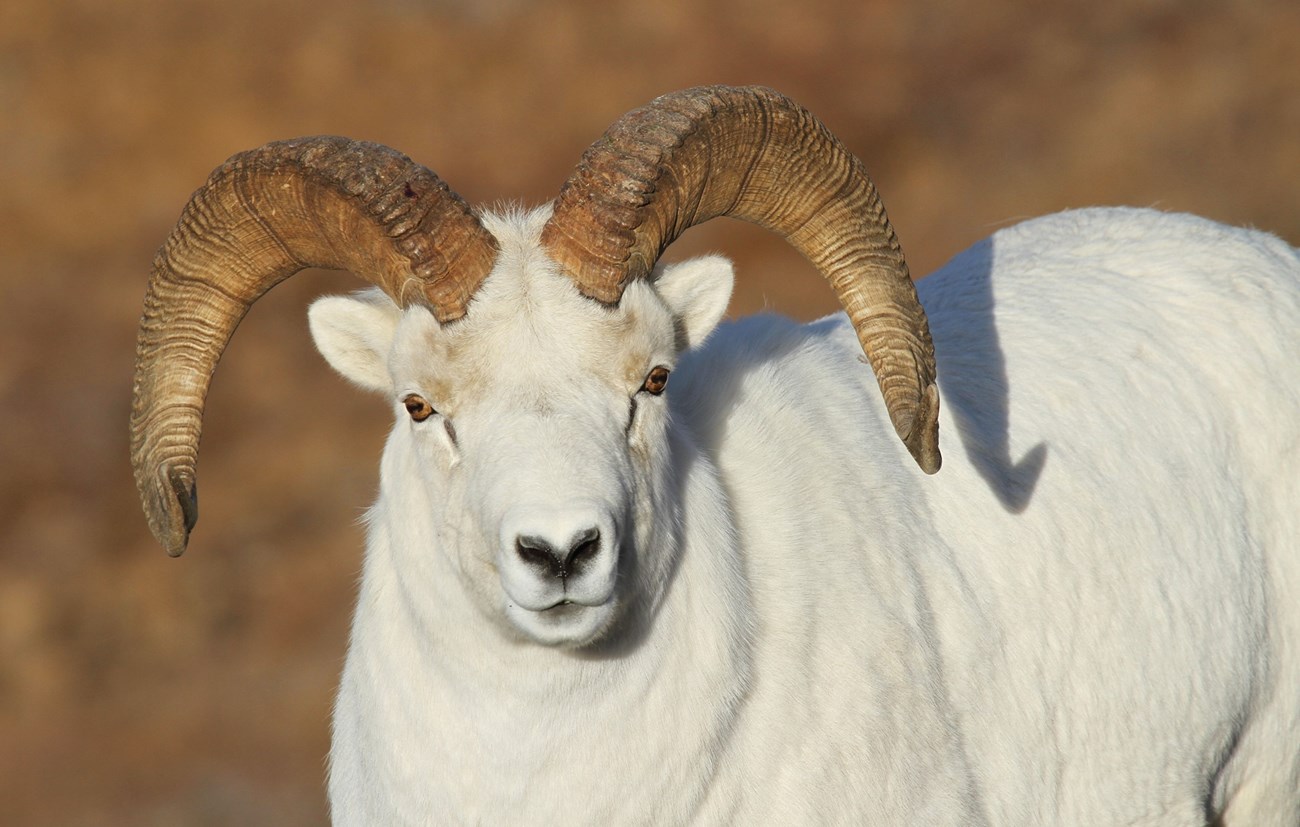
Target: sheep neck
column 434, row 696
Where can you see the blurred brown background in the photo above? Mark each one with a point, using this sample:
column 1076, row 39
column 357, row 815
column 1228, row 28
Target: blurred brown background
column 138, row 690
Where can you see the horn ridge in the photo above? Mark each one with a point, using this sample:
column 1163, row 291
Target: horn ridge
column 751, row 153
column 263, row 215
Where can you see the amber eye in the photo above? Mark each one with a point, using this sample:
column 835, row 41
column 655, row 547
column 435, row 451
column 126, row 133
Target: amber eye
column 418, row 407
column 656, row 380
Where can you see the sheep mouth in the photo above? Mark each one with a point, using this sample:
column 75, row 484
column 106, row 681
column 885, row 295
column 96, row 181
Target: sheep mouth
column 569, row 606
column 563, row 610
column 566, row 623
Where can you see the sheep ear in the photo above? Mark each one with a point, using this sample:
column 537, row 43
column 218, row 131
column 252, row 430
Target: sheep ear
column 697, row 292
column 354, row 334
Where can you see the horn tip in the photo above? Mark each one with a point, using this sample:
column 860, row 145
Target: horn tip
column 172, row 508
column 922, row 440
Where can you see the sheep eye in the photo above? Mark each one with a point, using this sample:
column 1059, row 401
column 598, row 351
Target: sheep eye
column 656, row 380
column 418, row 407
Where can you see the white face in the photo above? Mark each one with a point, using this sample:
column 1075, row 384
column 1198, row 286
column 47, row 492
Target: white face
column 539, row 423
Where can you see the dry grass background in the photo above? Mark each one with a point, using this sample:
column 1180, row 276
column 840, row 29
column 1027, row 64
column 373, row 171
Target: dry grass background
column 140, row 690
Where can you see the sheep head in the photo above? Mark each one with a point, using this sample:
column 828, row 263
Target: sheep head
column 536, row 429
column 749, row 153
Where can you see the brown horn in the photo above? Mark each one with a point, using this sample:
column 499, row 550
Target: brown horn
column 753, row 154
column 262, row 216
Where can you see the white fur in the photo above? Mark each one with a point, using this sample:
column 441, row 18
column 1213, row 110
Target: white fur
column 1089, row 616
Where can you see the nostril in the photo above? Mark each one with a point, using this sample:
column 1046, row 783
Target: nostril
column 584, row 547
column 537, row 552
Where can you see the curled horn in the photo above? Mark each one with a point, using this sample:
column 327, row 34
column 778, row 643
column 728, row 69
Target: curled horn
column 262, row 216
column 753, row 154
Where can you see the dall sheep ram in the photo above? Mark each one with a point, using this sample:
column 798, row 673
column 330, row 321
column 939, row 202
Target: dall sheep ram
column 594, row 595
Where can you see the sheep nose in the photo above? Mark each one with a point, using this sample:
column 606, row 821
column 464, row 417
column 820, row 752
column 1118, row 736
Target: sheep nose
column 562, row 559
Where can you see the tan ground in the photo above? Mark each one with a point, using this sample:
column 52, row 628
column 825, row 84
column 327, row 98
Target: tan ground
column 138, row 690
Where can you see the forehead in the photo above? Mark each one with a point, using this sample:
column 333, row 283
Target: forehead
column 529, row 328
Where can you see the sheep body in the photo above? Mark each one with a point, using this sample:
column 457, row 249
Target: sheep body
column 1088, row 617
